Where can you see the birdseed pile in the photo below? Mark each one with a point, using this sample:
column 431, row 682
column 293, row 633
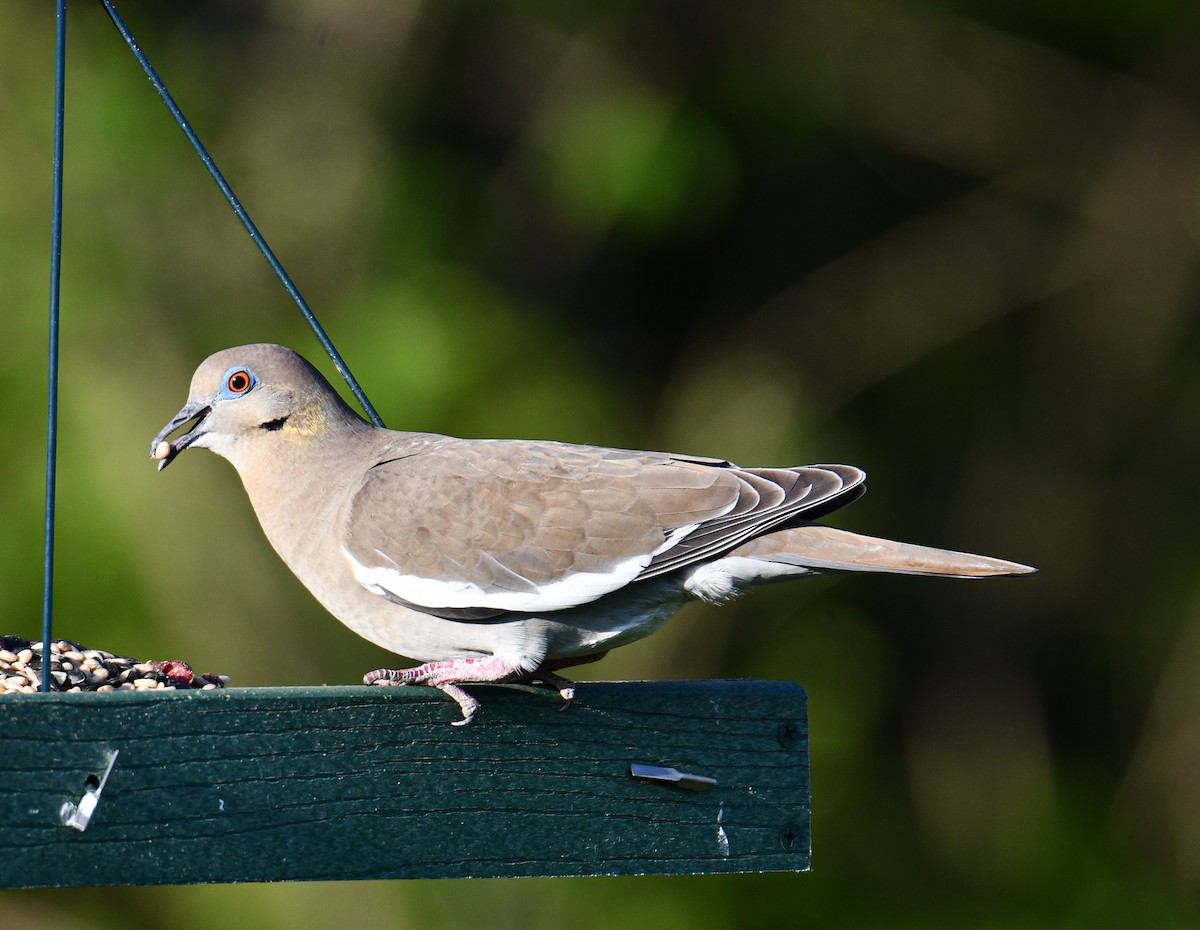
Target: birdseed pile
column 76, row 668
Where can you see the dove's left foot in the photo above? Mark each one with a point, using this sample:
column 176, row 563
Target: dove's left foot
column 564, row 686
column 445, row 676
column 545, row 673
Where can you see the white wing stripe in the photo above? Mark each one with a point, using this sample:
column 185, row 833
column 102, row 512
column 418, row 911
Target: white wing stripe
column 434, row 593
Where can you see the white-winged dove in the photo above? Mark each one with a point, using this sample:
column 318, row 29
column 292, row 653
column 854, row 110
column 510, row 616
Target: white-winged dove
column 507, row 560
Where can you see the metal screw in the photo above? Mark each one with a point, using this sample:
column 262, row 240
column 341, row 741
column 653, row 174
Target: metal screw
column 788, row 735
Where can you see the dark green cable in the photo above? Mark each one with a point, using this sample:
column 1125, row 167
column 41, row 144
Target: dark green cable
column 240, row 211
column 60, row 72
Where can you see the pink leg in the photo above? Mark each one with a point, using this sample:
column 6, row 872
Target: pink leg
column 444, row 676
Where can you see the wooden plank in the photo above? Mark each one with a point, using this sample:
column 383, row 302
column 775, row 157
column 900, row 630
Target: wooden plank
column 287, row 784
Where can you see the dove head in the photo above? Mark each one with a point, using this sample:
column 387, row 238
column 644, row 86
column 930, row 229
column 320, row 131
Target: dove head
column 243, row 397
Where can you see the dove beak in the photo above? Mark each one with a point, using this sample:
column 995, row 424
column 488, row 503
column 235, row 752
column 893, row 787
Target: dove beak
column 163, row 450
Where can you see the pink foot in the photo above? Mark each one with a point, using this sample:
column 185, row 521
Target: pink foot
column 445, row 675
column 545, row 673
column 564, row 686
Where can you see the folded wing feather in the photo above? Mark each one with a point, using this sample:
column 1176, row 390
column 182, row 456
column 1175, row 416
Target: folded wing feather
column 475, row 529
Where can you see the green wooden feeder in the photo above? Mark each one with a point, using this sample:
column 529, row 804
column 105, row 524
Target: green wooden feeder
column 292, row 784
column 319, row 783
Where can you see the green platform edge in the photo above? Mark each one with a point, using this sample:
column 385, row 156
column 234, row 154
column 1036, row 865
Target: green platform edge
column 333, row 783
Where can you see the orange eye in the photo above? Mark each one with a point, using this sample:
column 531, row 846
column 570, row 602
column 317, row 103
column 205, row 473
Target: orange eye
column 238, row 381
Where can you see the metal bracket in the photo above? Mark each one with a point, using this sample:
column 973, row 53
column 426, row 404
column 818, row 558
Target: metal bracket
column 78, row 816
column 669, row 776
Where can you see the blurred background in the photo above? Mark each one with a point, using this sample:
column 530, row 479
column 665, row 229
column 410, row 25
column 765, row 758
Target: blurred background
column 954, row 243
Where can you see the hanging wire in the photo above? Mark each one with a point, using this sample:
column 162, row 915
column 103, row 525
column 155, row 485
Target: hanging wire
column 60, row 73
column 240, row 211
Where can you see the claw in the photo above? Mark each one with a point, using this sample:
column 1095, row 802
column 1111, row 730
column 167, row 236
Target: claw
column 564, row 687
column 466, row 703
column 568, row 696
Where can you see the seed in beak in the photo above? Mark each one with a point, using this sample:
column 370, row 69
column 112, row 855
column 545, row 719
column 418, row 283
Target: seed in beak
column 161, row 451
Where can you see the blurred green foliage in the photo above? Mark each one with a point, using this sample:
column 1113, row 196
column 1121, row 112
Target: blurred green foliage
column 954, row 243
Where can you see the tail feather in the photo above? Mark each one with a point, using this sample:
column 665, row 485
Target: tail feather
column 824, row 548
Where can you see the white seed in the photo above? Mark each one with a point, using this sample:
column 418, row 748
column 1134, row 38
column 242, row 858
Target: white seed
column 161, row 451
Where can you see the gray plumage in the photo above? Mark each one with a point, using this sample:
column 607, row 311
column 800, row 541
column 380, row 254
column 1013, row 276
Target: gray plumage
column 505, row 560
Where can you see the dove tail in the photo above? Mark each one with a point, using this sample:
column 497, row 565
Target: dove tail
column 825, row 548
column 816, row 548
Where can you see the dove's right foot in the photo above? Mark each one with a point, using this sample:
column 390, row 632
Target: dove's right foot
column 446, row 676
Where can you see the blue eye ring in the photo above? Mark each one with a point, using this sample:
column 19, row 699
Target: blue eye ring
column 237, row 381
